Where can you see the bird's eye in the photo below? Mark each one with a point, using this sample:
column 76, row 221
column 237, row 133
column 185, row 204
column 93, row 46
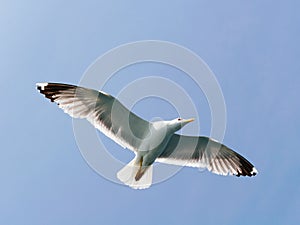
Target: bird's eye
column 179, row 119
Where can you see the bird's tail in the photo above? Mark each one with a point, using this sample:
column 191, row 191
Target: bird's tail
column 128, row 176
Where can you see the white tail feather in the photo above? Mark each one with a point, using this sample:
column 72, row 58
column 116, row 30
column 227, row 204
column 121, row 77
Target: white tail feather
column 127, row 176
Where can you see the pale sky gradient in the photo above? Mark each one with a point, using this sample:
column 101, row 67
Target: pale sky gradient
column 253, row 49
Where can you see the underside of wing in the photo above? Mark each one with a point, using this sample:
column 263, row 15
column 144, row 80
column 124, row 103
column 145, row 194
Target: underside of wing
column 102, row 110
column 204, row 152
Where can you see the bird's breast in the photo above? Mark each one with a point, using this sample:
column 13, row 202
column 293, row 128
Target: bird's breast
column 156, row 138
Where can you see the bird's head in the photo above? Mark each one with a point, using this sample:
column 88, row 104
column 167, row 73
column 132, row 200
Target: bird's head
column 178, row 123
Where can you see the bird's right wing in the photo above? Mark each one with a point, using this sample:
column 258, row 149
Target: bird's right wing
column 204, row 152
column 102, row 110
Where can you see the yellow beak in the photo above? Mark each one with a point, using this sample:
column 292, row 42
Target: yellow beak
column 190, row 120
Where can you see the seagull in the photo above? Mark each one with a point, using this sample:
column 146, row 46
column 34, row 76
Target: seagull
column 150, row 141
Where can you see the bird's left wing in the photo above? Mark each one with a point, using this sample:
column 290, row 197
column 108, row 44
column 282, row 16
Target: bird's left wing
column 204, row 152
column 102, row 110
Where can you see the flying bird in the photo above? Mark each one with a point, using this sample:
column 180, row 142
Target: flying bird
column 150, row 141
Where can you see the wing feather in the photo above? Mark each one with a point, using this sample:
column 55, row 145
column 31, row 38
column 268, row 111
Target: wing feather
column 102, row 110
column 204, row 152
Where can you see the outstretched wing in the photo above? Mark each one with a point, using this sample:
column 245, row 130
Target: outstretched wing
column 102, row 110
column 204, row 152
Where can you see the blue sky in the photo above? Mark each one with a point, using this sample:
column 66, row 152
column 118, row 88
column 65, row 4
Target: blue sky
column 251, row 46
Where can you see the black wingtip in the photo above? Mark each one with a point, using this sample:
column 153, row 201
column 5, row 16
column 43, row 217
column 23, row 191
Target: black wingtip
column 244, row 171
column 245, row 168
column 50, row 90
column 47, row 90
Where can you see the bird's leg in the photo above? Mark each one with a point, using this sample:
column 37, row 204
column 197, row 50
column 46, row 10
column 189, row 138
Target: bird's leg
column 141, row 162
column 141, row 171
